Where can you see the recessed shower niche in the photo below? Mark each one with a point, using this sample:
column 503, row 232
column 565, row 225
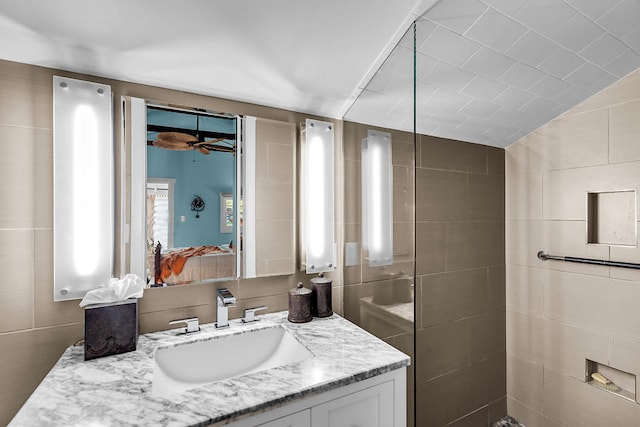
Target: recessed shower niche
column 611, row 218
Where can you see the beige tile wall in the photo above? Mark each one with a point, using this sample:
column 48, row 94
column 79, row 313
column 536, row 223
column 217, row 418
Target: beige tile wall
column 559, row 314
column 460, row 345
column 34, row 330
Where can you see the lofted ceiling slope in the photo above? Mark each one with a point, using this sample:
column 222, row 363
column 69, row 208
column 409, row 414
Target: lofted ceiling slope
column 492, row 71
column 488, row 71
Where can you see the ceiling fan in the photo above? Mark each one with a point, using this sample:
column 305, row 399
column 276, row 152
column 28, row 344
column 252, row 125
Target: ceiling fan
column 179, row 141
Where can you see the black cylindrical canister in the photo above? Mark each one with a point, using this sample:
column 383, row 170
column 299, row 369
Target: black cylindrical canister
column 321, row 301
column 299, row 304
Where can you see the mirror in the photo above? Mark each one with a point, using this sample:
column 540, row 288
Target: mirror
column 190, row 195
column 210, row 197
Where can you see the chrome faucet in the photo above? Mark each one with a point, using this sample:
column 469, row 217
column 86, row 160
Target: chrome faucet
column 225, row 300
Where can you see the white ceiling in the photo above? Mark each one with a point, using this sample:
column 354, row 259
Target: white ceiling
column 301, row 55
column 489, row 71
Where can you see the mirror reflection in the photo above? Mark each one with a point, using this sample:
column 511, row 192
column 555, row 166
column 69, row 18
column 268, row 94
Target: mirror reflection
column 190, row 196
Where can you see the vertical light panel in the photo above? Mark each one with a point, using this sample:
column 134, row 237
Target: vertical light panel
column 318, row 170
column 249, row 197
column 377, row 198
column 83, row 187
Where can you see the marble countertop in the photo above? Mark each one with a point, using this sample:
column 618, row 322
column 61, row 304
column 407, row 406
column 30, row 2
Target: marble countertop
column 116, row 390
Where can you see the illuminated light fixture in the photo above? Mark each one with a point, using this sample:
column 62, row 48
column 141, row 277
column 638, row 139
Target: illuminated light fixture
column 319, row 250
column 83, row 187
column 377, row 198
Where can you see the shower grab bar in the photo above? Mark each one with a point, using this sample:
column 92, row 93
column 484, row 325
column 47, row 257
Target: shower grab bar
column 545, row 256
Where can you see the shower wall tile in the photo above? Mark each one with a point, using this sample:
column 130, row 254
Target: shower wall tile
column 430, row 247
column 474, row 419
column 460, row 256
column 525, row 157
column 526, row 238
column 599, row 304
column 525, row 293
column 624, row 129
column 447, row 154
column 575, row 403
column 441, row 195
column 441, row 349
column 566, row 195
column 525, row 382
column 528, row 416
column 475, row 386
column 496, row 277
column 524, row 196
column 485, row 338
column 623, row 355
column 474, row 243
column 453, row 295
column 574, row 141
column 485, row 197
column 495, row 161
column 561, row 313
column 554, row 345
column 497, row 409
column 430, row 402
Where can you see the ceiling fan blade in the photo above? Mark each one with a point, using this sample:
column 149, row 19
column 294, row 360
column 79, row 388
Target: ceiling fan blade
column 172, row 145
column 211, row 141
column 203, row 150
column 177, row 136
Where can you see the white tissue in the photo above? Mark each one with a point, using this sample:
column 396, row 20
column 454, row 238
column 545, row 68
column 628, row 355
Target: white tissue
column 130, row 286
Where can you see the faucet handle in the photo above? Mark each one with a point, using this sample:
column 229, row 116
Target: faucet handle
column 193, row 324
column 250, row 314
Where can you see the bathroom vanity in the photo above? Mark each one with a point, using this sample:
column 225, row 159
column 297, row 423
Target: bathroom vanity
column 270, row 373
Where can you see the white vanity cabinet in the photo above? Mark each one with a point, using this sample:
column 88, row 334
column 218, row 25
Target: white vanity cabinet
column 376, row 402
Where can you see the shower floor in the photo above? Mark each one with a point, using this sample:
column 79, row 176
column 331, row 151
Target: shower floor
column 507, row 421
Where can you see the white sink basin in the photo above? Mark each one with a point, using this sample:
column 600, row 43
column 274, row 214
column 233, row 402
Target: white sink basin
column 193, row 364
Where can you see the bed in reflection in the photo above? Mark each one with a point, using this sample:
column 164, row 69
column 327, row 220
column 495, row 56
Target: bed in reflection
column 185, row 265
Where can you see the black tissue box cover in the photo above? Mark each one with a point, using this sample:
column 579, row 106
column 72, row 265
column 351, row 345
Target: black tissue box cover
column 110, row 328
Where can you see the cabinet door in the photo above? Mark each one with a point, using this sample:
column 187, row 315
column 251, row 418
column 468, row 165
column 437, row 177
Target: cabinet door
column 372, row 407
column 299, row 419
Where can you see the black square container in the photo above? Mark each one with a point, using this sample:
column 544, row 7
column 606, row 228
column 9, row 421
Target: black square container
column 110, row 328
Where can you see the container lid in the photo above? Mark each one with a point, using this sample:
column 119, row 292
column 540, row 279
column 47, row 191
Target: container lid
column 299, row 290
column 321, row 280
